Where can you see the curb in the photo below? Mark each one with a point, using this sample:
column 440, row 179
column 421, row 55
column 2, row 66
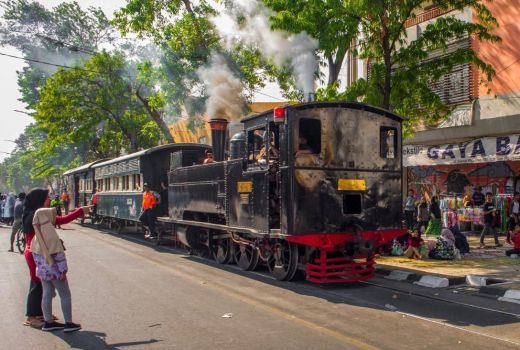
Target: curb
column 501, row 292
column 424, row 280
column 490, row 287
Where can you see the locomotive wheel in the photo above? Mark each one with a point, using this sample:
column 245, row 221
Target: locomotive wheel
column 222, row 250
column 246, row 257
column 283, row 263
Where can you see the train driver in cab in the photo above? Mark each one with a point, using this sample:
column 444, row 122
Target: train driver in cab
column 148, row 215
column 209, row 157
column 273, row 151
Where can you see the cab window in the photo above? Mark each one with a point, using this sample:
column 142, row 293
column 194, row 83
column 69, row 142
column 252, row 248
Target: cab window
column 255, row 142
column 388, row 142
column 309, row 137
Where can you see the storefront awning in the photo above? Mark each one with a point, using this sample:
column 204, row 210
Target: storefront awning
column 482, row 150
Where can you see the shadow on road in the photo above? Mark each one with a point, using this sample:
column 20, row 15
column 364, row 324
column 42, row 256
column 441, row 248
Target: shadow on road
column 90, row 340
column 357, row 294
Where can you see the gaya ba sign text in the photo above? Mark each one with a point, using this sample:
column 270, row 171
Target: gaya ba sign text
column 487, row 149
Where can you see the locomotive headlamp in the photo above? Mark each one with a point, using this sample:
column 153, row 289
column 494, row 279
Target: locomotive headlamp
column 279, row 114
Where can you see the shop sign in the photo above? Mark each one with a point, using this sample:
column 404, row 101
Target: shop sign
column 483, row 150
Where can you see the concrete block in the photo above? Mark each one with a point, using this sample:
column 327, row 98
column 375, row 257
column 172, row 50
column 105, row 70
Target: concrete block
column 433, row 282
column 398, row 275
column 512, row 294
column 476, row 281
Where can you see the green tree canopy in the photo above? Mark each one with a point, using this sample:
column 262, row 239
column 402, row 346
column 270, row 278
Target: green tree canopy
column 402, row 73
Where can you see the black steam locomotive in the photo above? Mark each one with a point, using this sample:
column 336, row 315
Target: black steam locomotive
column 314, row 187
column 305, row 189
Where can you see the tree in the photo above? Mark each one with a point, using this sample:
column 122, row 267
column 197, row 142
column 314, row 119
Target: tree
column 188, row 39
column 326, row 20
column 401, row 73
column 98, row 105
column 65, row 35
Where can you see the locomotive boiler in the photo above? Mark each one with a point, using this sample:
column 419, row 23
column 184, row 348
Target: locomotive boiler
column 309, row 189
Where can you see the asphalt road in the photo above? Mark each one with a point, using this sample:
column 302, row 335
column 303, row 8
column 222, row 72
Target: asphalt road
column 130, row 295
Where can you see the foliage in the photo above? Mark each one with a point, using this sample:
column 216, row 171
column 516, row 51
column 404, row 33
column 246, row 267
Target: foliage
column 95, row 105
column 187, row 37
column 401, row 72
column 328, row 21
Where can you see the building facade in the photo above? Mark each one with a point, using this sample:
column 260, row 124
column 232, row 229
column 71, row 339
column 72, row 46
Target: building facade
column 478, row 145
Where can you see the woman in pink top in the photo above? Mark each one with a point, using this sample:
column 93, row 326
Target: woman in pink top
column 36, row 199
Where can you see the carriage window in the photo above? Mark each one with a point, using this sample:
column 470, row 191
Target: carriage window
column 137, row 182
column 107, row 184
column 99, row 186
column 388, row 142
column 309, row 137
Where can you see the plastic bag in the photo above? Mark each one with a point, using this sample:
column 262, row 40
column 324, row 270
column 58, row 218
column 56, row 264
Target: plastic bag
column 397, row 249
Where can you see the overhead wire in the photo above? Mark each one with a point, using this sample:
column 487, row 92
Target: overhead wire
column 47, row 63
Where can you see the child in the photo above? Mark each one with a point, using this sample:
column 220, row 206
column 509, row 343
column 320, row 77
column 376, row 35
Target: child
column 516, row 241
column 414, row 243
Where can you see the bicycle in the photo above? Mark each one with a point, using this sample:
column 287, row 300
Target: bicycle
column 20, row 240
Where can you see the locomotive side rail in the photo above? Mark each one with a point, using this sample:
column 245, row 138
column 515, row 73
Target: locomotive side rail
column 273, row 233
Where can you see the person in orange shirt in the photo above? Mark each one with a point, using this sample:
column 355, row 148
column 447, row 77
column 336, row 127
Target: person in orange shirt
column 150, row 200
column 65, row 198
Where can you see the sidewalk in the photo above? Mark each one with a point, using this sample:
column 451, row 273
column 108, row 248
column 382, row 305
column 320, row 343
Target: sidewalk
column 489, row 261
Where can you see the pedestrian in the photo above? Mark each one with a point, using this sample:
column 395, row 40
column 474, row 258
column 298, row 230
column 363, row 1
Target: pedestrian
column 17, row 223
column 93, row 202
column 57, row 203
column 51, row 262
column 434, row 224
column 414, row 244
column 148, row 206
column 36, row 199
column 9, row 208
column 516, row 242
column 513, row 216
column 2, row 205
column 490, row 213
column 423, row 215
column 65, row 199
column 409, row 209
column 478, row 197
column 445, row 247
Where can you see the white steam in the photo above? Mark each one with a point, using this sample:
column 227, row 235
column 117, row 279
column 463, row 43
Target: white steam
column 295, row 49
column 57, row 57
column 224, row 89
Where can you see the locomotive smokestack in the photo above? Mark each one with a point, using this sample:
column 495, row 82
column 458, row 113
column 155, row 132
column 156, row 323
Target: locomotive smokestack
column 218, row 137
column 310, row 97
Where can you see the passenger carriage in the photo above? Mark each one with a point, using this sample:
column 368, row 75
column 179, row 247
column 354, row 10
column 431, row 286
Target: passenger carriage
column 80, row 184
column 119, row 181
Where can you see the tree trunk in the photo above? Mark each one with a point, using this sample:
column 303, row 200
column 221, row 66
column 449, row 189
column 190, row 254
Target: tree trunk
column 387, row 57
column 156, row 117
column 335, row 65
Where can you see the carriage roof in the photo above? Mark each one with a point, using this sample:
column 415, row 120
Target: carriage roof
column 170, row 146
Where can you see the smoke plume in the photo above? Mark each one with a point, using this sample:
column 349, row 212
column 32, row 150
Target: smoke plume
column 224, row 89
column 255, row 30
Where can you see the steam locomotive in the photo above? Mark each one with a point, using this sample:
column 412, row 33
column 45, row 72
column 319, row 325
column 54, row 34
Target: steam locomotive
column 310, row 189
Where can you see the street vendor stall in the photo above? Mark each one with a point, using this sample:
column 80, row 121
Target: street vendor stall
column 452, row 171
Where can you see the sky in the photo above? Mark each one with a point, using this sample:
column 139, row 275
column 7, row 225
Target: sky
column 13, row 123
